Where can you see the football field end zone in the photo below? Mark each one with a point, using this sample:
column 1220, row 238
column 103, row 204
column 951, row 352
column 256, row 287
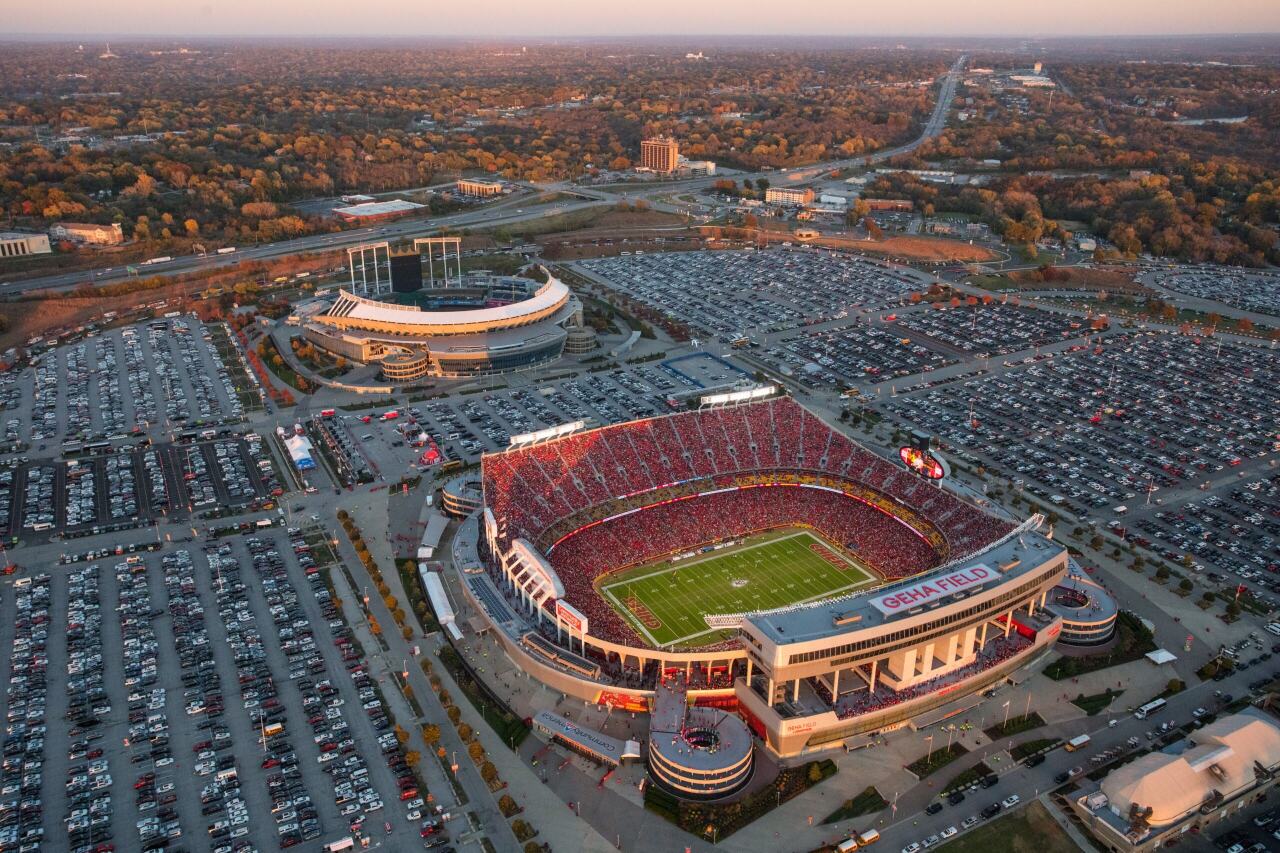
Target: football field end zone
column 647, row 575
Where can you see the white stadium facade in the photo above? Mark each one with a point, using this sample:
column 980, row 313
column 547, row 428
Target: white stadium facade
column 497, row 325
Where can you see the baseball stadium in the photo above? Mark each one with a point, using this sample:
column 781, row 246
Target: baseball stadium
column 496, row 325
column 774, row 566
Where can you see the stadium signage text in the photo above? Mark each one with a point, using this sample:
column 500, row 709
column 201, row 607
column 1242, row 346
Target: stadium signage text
column 931, row 590
column 571, row 617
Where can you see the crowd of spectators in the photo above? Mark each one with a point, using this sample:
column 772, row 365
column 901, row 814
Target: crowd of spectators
column 668, row 528
column 531, row 488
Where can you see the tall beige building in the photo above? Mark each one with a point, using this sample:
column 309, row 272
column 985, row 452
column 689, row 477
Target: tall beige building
column 660, row 154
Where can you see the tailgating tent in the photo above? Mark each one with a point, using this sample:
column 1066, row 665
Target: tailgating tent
column 1160, row 656
column 299, row 447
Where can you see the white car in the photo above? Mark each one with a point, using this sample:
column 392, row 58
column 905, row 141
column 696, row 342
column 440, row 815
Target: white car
column 913, row 847
column 948, row 832
column 1011, row 801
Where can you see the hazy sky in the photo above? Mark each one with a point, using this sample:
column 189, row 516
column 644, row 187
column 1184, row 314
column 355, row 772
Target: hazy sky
column 480, row 18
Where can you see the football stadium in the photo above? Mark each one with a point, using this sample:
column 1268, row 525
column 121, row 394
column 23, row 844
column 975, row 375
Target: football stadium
column 778, row 569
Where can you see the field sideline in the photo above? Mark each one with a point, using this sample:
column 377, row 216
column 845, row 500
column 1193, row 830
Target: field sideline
column 665, row 602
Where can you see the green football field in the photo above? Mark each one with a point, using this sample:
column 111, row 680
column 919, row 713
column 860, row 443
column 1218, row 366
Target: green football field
column 665, row 602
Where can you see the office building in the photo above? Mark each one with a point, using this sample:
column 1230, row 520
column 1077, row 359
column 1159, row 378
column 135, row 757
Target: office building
column 660, row 154
column 796, row 196
column 478, row 189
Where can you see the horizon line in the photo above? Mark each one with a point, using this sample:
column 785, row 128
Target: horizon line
column 625, row 37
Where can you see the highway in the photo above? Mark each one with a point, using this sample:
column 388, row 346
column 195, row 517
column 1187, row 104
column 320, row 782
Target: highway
column 489, row 216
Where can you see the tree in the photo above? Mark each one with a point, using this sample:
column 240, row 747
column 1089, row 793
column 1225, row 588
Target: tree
column 815, row 773
column 430, row 734
column 412, row 757
column 401, row 734
column 488, row 772
column 1186, row 585
column 476, row 750
column 508, row 805
column 1162, row 573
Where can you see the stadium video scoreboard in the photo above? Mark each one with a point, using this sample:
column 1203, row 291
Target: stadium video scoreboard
column 919, row 458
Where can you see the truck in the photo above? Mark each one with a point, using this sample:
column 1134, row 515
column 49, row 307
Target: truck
column 328, row 413
column 1079, row 742
column 272, row 730
column 226, row 250
column 391, row 415
column 160, row 260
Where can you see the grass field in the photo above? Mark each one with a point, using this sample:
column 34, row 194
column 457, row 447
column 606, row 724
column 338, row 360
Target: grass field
column 1028, row 830
column 665, row 602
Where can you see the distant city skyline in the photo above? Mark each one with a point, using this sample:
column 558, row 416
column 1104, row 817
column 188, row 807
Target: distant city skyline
column 510, row 19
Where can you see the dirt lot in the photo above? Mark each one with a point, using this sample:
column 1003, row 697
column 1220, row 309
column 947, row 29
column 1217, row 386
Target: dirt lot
column 913, row 248
column 921, row 249
column 29, row 319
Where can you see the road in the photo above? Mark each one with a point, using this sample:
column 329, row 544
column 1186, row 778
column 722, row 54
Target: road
column 492, row 215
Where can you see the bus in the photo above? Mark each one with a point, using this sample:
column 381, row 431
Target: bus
column 1077, row 743
column 1150, row 708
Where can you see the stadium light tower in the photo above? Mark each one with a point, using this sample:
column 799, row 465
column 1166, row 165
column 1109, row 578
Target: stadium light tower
column 370, row 265
column 438, row 256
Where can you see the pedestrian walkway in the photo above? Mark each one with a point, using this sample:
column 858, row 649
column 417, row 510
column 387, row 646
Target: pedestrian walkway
column 1067, row 825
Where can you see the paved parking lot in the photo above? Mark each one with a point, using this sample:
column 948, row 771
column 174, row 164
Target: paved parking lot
column 1092, row 429
column 1232, row 534
column 202, row 699
column 134, row 483
column 729, row 293
column 161, row 373
column 992, row 330
column 841, row 357
column 1252, row 290
column 465, row 427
